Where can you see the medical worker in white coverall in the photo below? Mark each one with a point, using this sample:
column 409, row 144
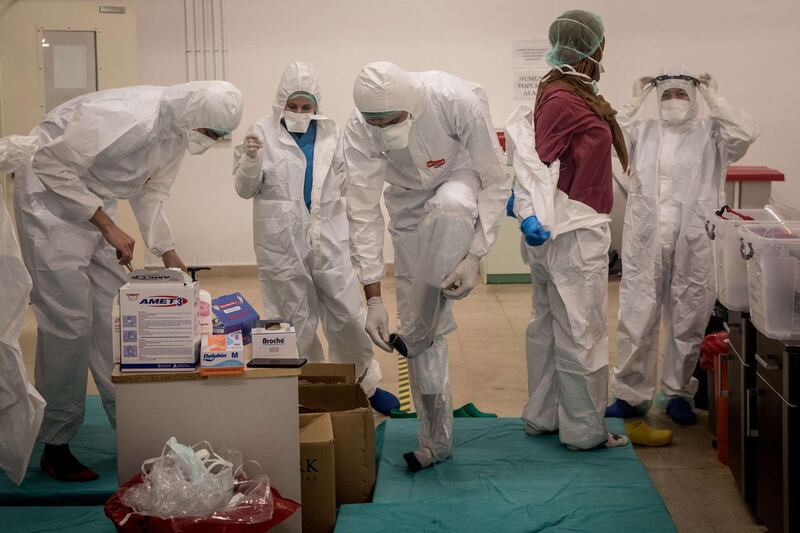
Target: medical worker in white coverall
column 429, row 136
column 290, row 166
column 678, row 167
column 21, row 406
column 95, row 149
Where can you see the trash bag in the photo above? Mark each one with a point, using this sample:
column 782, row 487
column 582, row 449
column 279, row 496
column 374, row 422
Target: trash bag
column 190, row 489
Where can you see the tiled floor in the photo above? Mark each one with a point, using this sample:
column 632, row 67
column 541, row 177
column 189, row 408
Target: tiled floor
column 487, row 365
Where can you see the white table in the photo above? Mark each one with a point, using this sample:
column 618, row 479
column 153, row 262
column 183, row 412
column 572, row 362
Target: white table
column 255, row 412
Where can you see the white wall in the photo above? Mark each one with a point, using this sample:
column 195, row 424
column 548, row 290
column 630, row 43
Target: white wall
column 751, row 47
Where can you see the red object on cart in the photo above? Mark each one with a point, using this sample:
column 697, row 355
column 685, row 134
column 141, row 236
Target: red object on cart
column 714, row 356
column 243, row 519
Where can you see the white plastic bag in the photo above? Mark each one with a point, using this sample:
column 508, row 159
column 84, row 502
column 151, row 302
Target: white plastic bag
column 184, row 481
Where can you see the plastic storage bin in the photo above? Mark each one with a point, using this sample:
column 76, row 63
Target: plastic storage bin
column 772, row 252
column 731, row 267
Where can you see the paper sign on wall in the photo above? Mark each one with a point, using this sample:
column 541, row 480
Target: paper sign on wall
column 528, row 68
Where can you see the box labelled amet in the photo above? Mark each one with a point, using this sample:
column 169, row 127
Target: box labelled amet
column 317, row 473
column 353, row 432
column 159, row 326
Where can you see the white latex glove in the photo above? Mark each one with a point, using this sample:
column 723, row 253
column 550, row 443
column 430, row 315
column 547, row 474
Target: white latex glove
column 460, row 282
column 708, row 88
column 377, row 325
column 641, row 88
column 252, row 146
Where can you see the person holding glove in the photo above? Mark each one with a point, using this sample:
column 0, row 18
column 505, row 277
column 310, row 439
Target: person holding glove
column 561, row 152
column 429, row 135
column 125, row 143
column 290, row 165
column 678, row 167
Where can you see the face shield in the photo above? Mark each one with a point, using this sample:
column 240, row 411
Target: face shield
column 676, row 111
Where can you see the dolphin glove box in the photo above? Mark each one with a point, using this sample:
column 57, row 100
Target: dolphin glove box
column 159, row 323
column 222, row 354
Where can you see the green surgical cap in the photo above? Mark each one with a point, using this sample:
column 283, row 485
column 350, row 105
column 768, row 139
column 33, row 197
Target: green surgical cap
column 305, row 95
column 370, row 115
column 574, row 36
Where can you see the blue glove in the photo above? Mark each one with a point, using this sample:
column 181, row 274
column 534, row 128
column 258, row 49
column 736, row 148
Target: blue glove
column 534, row 232
column 510, row 205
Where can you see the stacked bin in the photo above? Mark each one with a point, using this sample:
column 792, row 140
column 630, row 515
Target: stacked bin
column 730, row 266
column 772, row 252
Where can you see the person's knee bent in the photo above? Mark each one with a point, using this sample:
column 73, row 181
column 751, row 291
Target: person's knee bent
column 458, row 197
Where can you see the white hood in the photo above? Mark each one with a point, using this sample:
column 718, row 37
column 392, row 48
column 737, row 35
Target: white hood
column 384, row 86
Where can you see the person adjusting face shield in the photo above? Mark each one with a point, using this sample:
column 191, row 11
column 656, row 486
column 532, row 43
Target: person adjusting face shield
column 290, row 164
column 21, row 406
column 561, row 153
column 98, row 148
column 678, row 167
column 429, row 135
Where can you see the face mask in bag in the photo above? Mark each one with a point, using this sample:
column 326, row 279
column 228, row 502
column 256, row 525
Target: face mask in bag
column 297, row 122
column 674, row 111
column 199, row 142
column 395, row 137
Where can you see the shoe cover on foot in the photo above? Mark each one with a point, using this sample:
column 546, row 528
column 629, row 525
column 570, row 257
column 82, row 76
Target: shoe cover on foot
column 681, row 412
column 642, row 434
column 622, row 409
column 384, row 402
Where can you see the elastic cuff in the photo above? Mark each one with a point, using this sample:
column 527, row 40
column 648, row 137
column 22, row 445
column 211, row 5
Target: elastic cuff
column 524, row 213
column 161, row 250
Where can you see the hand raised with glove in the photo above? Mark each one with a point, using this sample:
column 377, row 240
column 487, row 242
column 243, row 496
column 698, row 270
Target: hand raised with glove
column 252, row 146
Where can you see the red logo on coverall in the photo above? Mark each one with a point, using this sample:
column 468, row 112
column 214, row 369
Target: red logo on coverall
column 436, row 164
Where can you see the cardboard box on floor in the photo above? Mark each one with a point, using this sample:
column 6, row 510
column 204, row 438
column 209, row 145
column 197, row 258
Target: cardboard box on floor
column 353, row 433
column 317, row 473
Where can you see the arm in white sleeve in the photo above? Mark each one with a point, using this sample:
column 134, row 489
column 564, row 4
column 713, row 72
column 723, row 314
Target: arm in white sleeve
column 364, row 173
column 737, row 129
column 338, row 168
column 148, row 208
column 247, row 170
column 535, row 182
column 474, row 128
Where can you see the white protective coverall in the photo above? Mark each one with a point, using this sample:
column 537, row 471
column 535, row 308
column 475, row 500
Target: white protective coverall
column 21, row 406
column 122, row 143
column 446, row 196
column 566, row 340
column 677, row 178
column 304, row 257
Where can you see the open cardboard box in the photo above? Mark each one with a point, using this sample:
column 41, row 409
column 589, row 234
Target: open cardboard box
column 353, row 433
column 328, row 373
column 317, row 473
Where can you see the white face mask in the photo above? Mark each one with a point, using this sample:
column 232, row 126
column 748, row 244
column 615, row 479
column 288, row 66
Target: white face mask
column 297, row 122
column 584, row 78
column 674, row 110
column 199, row 142
column 395, row 137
